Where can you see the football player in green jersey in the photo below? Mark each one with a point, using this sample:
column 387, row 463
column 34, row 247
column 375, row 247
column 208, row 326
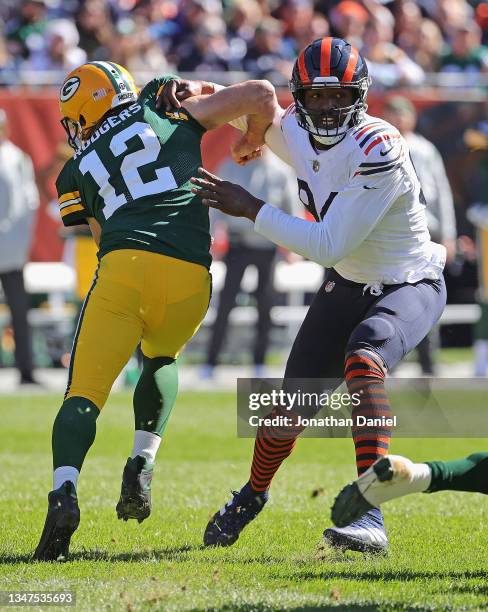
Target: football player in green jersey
column 129, row 179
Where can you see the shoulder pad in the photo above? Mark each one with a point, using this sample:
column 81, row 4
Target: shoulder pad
column 379, row 147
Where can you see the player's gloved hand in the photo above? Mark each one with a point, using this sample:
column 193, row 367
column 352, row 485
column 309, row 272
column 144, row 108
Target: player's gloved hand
column 177, row 90
column 225, row 196
column 244, row 150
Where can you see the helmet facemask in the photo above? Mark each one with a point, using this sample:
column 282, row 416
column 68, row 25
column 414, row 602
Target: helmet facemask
column 78, row 132
column 74, row 132
column 329, row 127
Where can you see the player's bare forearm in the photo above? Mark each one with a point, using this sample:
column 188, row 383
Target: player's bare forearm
column 260, row 105
column 251, row 107
column 257, row 127
column 256, row 99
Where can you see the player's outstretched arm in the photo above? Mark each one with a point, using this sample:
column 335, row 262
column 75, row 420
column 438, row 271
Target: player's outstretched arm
column 347, row 219
column 256, row 99
column 178, row 91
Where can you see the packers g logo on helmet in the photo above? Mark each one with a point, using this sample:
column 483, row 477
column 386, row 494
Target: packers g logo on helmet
column 88, row 93
column 69, row 89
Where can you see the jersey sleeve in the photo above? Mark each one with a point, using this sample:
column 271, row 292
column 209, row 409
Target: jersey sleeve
column 478, row 215
column 348, row 216
column 71, row 206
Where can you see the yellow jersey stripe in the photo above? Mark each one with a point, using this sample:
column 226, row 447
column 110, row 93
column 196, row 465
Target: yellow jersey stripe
column 71, row 209
column 71, row 195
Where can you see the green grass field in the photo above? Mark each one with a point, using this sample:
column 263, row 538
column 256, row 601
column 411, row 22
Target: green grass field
column 438, row 557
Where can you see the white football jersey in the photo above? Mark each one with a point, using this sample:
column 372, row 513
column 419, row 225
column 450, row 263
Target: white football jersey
column 366, row 198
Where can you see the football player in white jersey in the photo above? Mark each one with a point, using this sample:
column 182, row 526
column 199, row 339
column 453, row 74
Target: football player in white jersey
column 384, row 288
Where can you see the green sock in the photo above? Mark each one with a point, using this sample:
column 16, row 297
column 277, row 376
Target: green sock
column 469, row 474
column 155, row 394
column 74, row 431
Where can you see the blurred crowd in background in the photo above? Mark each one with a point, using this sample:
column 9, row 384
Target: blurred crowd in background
column 403, row 41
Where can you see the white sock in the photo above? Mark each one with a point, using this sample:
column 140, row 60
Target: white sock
column 422, row 477
column 480, row 357
column 146, row 444
column 64, row 473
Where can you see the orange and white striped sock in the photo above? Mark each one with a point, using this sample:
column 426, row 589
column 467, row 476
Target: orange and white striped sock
column 272, row 446
column 365, row 375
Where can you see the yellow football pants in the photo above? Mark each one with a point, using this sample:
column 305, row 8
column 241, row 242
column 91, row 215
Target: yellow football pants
column 137, row 296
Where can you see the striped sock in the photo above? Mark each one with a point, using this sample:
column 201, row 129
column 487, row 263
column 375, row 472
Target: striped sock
column 364, row 374
column 272, row 446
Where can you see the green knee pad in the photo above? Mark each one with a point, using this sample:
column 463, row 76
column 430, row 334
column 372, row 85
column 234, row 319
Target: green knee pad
column 74, row 431
column 155, row 394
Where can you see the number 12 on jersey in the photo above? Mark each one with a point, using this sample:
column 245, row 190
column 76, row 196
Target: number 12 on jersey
column 129, row 169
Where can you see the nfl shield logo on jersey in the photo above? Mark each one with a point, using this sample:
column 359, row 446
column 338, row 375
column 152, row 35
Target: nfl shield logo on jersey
column 329, row 286
column 315, row 165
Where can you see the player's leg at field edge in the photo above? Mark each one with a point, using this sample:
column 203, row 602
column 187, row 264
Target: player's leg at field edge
column 154, row 398
column 364, row 372
column 402, row 477
column 73, row 434
column 469, row 474
column 74, row 428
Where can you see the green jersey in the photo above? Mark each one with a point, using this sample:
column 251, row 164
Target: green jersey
column 133, row 176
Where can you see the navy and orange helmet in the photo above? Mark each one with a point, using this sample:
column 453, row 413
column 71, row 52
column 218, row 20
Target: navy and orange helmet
column 330, row 62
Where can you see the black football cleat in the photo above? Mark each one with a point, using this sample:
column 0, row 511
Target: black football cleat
column 349, row 506
column 135, row 493
column 62, row 520
column 225, row 526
